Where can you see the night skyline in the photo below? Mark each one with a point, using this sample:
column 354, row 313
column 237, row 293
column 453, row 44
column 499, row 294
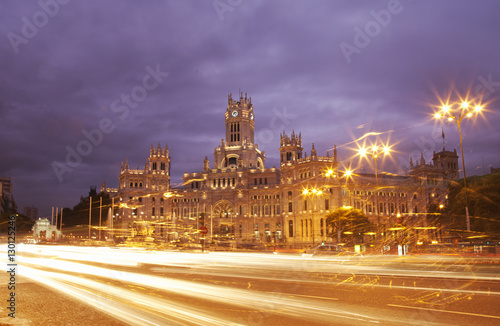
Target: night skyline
column 85, row 67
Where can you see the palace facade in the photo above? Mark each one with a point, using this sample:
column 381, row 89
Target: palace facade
column 237, row 197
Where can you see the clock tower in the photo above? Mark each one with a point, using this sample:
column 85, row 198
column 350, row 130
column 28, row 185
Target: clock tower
column 239, row 121
column 238, row 149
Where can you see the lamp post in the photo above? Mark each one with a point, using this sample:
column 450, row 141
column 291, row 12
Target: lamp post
column 312, row 192
column 457, row 112
column 347, row 173
column 375, row 152
column 255, row 234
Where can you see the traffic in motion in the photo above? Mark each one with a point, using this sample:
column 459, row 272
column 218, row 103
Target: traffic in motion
column 145, row 287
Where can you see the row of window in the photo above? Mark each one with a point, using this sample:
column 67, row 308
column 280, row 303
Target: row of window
column 152, row 199
column 260, row 181
column 305, row 174
column 289, row 156
column 235, row 131
column 327, row 204
column 383, row 194
column 221, row 182
column 432, row 181
column 306, row 228
column 265, row 197
column 265, row 210
column 153, row 211
column 384, row 208
column 155, row 166
column 186, row 200
column 135, row 184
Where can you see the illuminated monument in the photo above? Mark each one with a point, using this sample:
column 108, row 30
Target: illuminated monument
column 239, row 198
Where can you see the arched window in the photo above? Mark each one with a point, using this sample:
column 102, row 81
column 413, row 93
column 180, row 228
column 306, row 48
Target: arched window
column 290, row 229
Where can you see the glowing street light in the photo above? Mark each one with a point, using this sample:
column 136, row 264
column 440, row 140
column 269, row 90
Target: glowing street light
column 312, row 192
column 457, row 112
column 375, row 152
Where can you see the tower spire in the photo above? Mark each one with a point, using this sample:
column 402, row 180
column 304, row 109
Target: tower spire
column 442, row 134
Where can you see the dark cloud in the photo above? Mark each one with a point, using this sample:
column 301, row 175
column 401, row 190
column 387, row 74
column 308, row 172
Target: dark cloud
column 285, row 54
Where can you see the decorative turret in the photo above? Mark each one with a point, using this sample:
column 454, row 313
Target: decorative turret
column 447, row 161
column 159, row 160
column 313, row 152
column 290, row 148
column 206, row 164
column 335, row 153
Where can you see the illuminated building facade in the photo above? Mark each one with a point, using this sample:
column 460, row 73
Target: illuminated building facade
column 237, row 197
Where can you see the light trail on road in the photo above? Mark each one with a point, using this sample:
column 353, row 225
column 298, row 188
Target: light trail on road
column 144, row 287
column 225, row 295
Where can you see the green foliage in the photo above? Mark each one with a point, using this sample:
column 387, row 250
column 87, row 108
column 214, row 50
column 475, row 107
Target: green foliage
column 23, row 223
column 483, row 196
column 6, row 205
column 79, row 215
column 348, row 219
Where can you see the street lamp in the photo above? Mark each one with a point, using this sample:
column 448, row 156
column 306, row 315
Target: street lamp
column 312, row 192
column 457, row 112
column 348, row 175
column 375, row 152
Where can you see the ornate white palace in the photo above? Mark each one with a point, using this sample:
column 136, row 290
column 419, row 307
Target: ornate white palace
column 239, row 198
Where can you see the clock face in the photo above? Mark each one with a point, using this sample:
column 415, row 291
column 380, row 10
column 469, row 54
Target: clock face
column 235, row 113
column 251, row 116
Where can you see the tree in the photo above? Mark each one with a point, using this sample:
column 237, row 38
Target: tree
column 8, row 208
column 483, row 197
column 348, row 220
column 79, row 215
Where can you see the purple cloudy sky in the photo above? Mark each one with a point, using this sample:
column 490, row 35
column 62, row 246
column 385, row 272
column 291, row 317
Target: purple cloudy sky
column 63, row 72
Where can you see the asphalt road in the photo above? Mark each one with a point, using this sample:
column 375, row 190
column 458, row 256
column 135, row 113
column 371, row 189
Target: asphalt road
column 127, row 286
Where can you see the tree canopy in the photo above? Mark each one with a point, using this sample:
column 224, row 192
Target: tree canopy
column 348, row 220
column 483, row 196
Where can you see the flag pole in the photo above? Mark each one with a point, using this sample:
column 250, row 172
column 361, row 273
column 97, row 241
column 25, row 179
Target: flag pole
column 90, row 215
